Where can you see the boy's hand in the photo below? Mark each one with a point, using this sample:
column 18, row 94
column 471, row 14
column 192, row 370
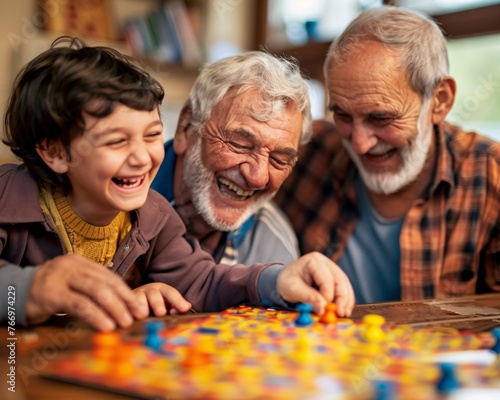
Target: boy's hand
column 317, row 280
column 72, row 284
column 162, row 298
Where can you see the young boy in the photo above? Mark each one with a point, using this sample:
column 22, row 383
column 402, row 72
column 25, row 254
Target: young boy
column 78, row 214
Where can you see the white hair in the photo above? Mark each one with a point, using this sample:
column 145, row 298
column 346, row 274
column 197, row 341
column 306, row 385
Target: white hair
column 278, row 80
column 416, row 38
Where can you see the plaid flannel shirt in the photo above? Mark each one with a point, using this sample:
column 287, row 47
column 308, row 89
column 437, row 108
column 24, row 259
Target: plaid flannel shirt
column 450, row 238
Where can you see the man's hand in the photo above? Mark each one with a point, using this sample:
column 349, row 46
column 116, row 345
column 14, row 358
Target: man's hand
column 317, row 280
column 162, row 299
column 82, row 288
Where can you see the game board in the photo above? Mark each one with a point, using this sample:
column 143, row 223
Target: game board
column 253, row 353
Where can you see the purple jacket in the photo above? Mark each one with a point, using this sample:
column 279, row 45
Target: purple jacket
column 155, row 250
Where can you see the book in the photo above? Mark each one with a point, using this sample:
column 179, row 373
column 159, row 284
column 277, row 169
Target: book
column 168, row 49
column 178, row 18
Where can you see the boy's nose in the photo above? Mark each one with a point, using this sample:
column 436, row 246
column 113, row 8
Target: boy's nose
column 140, row 154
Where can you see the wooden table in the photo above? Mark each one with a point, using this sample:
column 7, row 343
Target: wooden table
column 35, row 347
column 475, row 313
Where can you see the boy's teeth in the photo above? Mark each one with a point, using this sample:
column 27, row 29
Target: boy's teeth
column 128, row 182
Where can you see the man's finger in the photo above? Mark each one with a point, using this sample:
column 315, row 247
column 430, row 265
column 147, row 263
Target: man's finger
column 107, row 298
column 85, row 309
column 122, row 292
column 344, row 293
column 324, row 279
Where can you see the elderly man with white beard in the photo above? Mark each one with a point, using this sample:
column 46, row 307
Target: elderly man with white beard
column 407, row 204
column 236, row 142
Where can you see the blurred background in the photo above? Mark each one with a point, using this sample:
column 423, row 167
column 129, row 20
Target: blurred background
column 172, row 39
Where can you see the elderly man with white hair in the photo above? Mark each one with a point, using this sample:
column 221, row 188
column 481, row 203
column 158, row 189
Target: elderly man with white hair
column 236, row 142
column 407, row 204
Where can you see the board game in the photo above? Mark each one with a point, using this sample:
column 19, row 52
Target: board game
column 254, row 353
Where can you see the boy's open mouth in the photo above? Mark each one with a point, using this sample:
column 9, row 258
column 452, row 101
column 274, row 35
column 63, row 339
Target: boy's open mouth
column 129, row 183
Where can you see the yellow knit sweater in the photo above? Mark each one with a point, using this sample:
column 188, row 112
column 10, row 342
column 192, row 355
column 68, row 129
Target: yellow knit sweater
column 96, row 243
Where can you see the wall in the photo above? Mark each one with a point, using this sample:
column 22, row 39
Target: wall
column 16, row 22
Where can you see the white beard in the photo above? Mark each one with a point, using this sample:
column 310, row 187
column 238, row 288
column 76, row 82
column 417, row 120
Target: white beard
column 413, row 157
column 199, row 180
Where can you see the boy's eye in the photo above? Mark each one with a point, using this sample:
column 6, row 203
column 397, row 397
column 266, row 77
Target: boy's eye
column 154, row 134
column 114, row 142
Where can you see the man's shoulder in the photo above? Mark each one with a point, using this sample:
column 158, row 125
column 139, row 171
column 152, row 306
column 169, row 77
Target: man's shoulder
column 470, row 144
column 325, row 133
column 270, row 236
column 325, row 145
column 163, row 182
column 269, row 220
column 322, row 126
column 272, row 218
column 271, row 215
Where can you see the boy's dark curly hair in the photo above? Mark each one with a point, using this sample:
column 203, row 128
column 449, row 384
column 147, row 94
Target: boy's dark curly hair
column 52, row 92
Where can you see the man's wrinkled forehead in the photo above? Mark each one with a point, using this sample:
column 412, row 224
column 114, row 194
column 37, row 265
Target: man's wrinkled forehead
column 254, row 103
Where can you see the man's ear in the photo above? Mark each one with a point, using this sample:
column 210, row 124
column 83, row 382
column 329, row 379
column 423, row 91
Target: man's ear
column 54, row 155
column 442, row 100
column 181, row 132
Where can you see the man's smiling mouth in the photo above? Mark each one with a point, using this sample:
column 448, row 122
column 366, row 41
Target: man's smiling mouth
column 232, row 191
column 383, row 156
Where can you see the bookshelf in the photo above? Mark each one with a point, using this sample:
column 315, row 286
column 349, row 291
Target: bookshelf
column 168, row 31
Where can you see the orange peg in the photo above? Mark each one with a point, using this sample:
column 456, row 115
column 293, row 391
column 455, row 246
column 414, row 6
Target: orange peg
column 329, row 316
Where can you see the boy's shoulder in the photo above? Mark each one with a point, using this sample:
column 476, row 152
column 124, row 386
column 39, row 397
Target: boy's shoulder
column 15, row 175
column 156, row 207
column 154, row 215
column 19, row 194
column 158, row 201
column 7, row 167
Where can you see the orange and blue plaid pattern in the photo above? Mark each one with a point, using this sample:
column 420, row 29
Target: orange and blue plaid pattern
column 450, row 238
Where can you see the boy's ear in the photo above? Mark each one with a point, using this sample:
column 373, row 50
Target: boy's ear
column 181, row 132
column 443, row 97
column 54, row 155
